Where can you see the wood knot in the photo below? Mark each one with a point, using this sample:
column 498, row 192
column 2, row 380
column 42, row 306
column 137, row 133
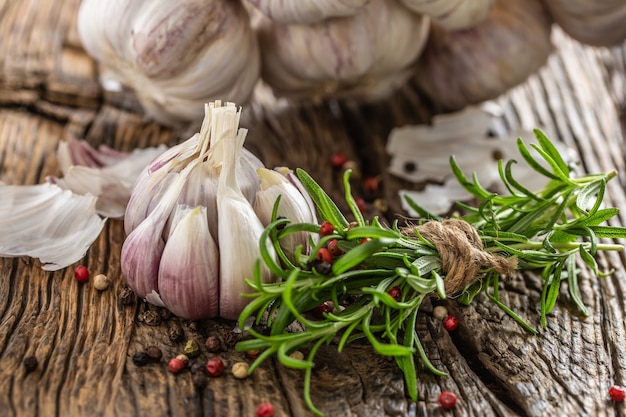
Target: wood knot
column 463, row 258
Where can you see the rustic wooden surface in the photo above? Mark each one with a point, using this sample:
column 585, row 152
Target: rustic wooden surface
column 84, row 339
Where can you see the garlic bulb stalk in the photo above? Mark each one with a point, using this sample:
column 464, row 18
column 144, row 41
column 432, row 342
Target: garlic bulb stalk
column 472, row 65
column 452, row 14
column 175, row 55
column 303, row 11
column 598, row 23
column 366, row 55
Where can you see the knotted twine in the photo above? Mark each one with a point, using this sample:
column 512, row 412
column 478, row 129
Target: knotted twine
column 461, row 251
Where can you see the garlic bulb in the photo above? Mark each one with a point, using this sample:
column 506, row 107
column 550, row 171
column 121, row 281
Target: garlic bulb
column 175, row 55
column 306, row 11
column 193, row 236
column 452, row 14
column 472, row 65
column 598, row 23
column 366, row 55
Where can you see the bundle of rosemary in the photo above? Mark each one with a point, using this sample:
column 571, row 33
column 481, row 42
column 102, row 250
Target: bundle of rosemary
column 376, row 276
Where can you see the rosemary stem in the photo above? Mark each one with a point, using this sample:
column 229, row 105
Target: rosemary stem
column 533, row 245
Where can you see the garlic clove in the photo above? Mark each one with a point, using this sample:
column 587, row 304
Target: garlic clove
column 239, row 228
column 47, row 222
column 292, row 206
column 188, row 278
column 452, row 14
column 365, row 56
column 302, row 11
column 472, row 65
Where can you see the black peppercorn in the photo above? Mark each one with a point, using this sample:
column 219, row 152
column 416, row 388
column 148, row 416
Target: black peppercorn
column 151, row 318
column 126, row 296
column 198, row 366
column 199, row 379
column 213, row 344
column 323, row 267
column 141, row 358
column 230, row 338
column 165, row 314
column 176, row 333
column 154, row 353
column 30, row 363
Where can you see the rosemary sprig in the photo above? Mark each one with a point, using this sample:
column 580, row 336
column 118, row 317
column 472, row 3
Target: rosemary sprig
column 546, row 230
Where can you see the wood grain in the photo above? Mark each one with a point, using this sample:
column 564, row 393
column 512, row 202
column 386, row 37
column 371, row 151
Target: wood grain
column 84, row 339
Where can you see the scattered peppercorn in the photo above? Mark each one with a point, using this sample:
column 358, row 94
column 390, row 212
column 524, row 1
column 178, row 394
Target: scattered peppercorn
column 175, row 365
column 199, row 379
column 196, row 367
column 213, row 344
column 192, row 349
column 183, row 358
column 338, row 159
column 150, row 317
column 141, row 358
column 381, row 205
column 371, row 184
column 321, row 309
column 365, row 240
column 361, row 204
column 165, row 314
column 240, row 370
column 617, row 393
column 297, row 355
column 126, row 296
column 215, row 367
column 447, row 399
column 324, row 255
column 265, row 410
column 354, row 167
column 253, row 353
column 101, row 282
column 450, row 323
column 81, row 273
column 154, row 353
column 175, row 333
column 395, row 293
column 440, row 312
column 30, row 363
column 326, row 228
column 230, row 338
column 334, row 249
column 322, row 267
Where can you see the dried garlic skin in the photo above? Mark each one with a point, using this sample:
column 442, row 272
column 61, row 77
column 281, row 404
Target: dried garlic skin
column 592, row 22
column 175, row 55
column 468, row 66
column 306, row 11
column 452, row 14
column 364, row 56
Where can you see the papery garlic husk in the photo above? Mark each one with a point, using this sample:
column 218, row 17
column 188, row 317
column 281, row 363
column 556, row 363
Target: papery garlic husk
column 597, row 23
column 306, row 11
column 239, row 229
column 463, row 67
column 175, row 55
column 189, row 269
column 47, row 222
column 452, row 14
column 365, row 56
column 105, row 173
column 292, row 206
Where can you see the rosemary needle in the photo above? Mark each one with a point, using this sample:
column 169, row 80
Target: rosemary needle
column 547, row 230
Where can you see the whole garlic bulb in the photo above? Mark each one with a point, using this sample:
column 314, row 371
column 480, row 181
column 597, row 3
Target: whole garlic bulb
column 303, row 11
column 469, row 66
column 175, row 55
column 452, row 14
column 364, row 56
column 593, row 22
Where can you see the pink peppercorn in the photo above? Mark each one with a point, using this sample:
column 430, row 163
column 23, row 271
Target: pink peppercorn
column 265, row 410
column 617, row 393
column 81, row 273
column 396, row 293
column 324, row 255
column 450, row 323
column 215, row 367
column 338, row 160
column 447, row 399
column 334, row 249
column 175, row 365
column 326, row 228
column 361, row 204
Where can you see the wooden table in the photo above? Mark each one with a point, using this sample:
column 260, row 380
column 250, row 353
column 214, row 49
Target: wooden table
column 84, row 339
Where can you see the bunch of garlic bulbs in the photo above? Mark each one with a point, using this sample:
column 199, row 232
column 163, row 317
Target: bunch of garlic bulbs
column 176, row 55
column 364, row 55
column 193, row 221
